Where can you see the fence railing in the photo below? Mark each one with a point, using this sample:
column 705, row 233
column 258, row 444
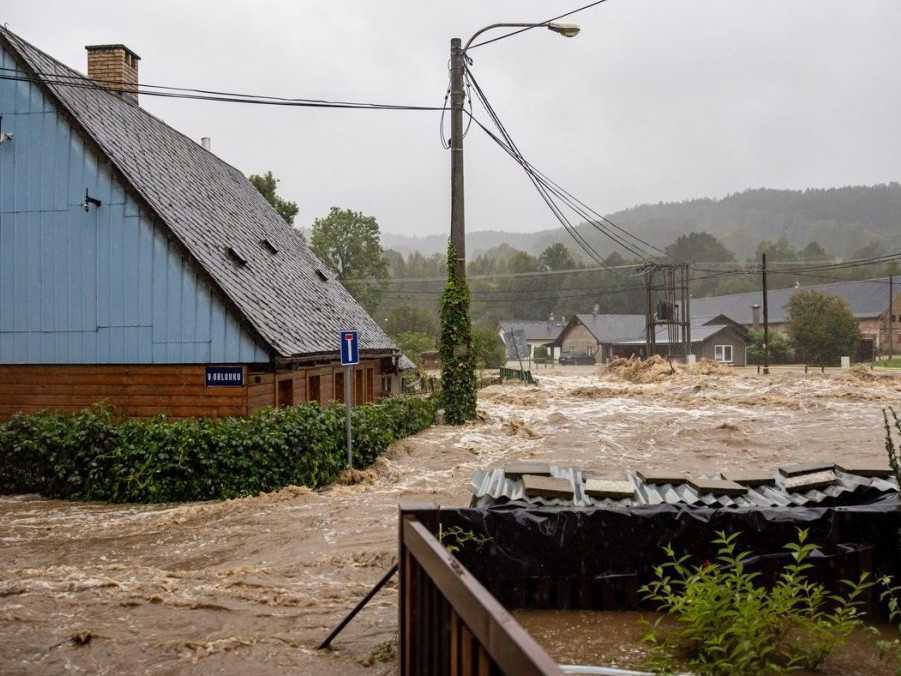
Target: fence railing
column 517, row 374
column 450, row 625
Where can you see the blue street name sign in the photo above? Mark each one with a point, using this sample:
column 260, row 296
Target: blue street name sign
column 350, row 348
column 225, row 376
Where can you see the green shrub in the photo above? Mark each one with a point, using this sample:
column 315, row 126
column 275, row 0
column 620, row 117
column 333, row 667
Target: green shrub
column 90, row 456
column 728, row 623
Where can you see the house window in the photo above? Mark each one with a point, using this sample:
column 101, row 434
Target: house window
column 314, row 389
column 285, row 393
column 339, row 386
column 722, row 353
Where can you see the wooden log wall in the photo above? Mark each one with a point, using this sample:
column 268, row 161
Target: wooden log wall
column 136, row 391
column 179, row 391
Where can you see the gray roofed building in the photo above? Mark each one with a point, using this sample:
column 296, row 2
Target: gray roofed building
column 535, row 330
column 866, row 298
column 613, row 328
column 290, row 299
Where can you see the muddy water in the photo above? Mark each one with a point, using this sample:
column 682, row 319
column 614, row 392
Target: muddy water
column 613, row 638
column 252, row 585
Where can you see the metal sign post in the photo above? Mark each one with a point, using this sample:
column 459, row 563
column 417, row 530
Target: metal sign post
column 350, row 356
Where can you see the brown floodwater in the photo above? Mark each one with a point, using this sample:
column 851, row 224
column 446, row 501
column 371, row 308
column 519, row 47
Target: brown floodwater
column 614, row 639
column 253, row 585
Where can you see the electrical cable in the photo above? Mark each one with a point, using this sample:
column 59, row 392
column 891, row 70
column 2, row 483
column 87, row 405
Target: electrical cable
column 544, row 187
column 224, row 97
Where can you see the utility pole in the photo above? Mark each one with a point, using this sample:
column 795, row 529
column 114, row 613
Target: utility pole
column 891, row 316
column 458, row 220
column 766, row 321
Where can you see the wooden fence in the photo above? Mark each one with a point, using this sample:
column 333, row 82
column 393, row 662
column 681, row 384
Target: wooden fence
column 450, row 625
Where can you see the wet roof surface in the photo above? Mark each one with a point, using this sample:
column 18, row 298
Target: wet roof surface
column 495, row 486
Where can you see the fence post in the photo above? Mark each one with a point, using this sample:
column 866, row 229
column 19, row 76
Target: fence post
column 427, row 514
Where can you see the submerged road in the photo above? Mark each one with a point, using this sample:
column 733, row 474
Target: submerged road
column 252, row 585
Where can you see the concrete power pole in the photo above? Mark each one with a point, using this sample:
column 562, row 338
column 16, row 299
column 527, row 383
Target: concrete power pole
column 458, row 220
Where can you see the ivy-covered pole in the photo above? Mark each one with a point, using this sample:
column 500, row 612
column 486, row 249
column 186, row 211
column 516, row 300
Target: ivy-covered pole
column 458, row 382
column 458, row 378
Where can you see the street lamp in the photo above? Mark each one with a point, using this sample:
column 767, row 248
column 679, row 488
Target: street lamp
column 458, row 65
column 458, row 382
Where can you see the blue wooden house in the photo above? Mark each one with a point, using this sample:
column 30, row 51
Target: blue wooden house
column 138, row 268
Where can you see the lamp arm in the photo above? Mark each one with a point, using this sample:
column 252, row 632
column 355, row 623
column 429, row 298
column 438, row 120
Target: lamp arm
column 501, row 25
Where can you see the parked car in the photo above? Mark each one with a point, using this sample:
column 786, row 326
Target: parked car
column 574, row 358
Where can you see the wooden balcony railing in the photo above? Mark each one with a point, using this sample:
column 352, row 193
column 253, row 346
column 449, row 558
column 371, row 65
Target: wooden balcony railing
column 450, row 625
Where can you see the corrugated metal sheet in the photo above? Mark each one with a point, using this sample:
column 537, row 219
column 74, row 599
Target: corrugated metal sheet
column 491, row 487
column 97, row 287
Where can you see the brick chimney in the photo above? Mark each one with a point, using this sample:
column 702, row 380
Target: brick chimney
column 114, row 67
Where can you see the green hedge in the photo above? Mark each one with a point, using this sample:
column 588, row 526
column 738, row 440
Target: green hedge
column 91, row 456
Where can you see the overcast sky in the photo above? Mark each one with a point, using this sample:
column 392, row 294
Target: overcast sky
column 656, row 100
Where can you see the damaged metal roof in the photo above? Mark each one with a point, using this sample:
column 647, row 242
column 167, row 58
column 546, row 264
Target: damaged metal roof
column 497, row 486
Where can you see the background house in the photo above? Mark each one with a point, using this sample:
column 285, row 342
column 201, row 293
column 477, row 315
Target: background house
column 868, row 299
column 609, row 336
column 538, row 334
column 596, row 334
column 138, row 268
column 726, row 343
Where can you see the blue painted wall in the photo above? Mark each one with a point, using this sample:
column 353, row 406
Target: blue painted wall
column 97, row 287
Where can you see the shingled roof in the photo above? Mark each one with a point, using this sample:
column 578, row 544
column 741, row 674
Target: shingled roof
column 209, row 206
column 867, row 298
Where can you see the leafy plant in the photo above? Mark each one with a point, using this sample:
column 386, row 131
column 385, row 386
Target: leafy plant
column 91, row 456
column 822, row 327
column 890, row 596
column 456, row 538
column 730, row 623
column 458, row 379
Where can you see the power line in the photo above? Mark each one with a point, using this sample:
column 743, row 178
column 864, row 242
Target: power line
column 79, row 82
column 543, row 23
column 517, row 156
column 548, row 190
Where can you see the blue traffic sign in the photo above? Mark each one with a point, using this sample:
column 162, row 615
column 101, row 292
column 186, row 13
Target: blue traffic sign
column 350, row 348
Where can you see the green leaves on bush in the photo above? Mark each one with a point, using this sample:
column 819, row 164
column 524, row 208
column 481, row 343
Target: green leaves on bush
column 729, row 623
column 90, row 456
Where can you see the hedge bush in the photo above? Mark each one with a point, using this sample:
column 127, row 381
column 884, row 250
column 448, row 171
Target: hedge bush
column 92, row 456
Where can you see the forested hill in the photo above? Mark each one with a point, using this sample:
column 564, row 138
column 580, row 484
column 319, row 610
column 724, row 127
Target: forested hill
column 842, row 220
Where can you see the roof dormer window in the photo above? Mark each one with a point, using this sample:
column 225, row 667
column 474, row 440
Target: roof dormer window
column 236, row 256
column 322, row 276
column 269, row 246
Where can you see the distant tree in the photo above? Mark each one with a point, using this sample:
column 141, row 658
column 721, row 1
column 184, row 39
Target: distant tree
column 488, row 347
column 780, row 347
column 557, row 257
column 394, row 260
column 407, row 318
column 417, row 265
column 522, row 262
column 821, row 327
column 349, row 243
column 814, row 252
column 873, row 249
column 267, row 185
column 780, row 250
column 699, row 247
column 413, row 344
column 615, row 259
